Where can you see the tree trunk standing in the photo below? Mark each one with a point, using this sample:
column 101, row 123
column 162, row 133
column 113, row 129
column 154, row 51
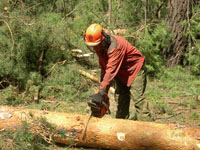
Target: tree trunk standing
column 176, row 48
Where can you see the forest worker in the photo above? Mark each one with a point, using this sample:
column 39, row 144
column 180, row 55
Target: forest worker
column 122, row 62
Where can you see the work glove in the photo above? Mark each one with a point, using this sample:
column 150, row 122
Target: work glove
column 99, row 104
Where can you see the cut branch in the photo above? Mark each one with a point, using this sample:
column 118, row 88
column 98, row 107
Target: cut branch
column 11, row 34
column 88, row 75
column 95, row 79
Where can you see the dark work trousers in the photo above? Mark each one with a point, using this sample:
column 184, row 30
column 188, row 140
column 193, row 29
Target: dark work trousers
column 140, row 109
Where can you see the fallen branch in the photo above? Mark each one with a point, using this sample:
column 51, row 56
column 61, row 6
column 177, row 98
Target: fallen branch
column 95, row 79
column 52, row 68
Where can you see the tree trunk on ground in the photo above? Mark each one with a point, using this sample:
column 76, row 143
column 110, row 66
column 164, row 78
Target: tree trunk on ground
column 176, row 48
column 106, row 132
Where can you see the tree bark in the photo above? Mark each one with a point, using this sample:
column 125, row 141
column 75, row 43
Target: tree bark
column 176, row 48
column 106, row 132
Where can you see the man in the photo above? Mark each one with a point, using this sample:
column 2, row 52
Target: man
column 122, row 62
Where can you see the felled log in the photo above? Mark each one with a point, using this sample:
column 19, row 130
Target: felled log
column 106, row 132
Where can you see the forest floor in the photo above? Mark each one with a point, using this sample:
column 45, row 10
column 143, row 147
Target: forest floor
column 174, row 99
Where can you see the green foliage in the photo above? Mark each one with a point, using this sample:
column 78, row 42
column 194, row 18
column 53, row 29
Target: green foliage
column 10, row 96
column 21, row 139
column 130, row 14
column 193, row 53
column 67, row 85
column 38, row 43
column 195, row 115
column 132, row 11
column 44, row 32
column 162, row 107
column 151, row 44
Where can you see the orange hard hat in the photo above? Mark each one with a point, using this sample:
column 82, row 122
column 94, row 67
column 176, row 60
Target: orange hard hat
column 93, row 35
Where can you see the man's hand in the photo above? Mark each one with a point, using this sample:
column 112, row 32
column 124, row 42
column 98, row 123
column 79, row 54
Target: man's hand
column 99, row 104
column 97, row 98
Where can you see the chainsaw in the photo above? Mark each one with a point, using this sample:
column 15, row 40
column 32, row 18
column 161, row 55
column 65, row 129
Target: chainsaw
column 99, row 106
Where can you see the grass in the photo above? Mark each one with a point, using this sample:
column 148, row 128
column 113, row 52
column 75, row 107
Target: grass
column 175, row 93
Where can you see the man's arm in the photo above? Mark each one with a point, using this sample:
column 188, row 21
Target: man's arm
column 115, row 59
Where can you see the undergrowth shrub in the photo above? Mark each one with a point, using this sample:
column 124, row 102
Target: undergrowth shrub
column 67, row 85
column 37, row 47
column 43, row 39
column 22, row 139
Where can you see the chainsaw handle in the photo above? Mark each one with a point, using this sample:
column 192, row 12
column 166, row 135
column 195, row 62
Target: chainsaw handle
column 107, row 107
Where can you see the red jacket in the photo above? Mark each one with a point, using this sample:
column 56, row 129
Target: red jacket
column 123, row 62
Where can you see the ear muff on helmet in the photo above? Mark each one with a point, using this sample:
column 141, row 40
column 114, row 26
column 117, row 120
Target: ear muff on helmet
column 106, row 38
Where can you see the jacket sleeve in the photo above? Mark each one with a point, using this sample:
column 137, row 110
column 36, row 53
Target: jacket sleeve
column 115, row 59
